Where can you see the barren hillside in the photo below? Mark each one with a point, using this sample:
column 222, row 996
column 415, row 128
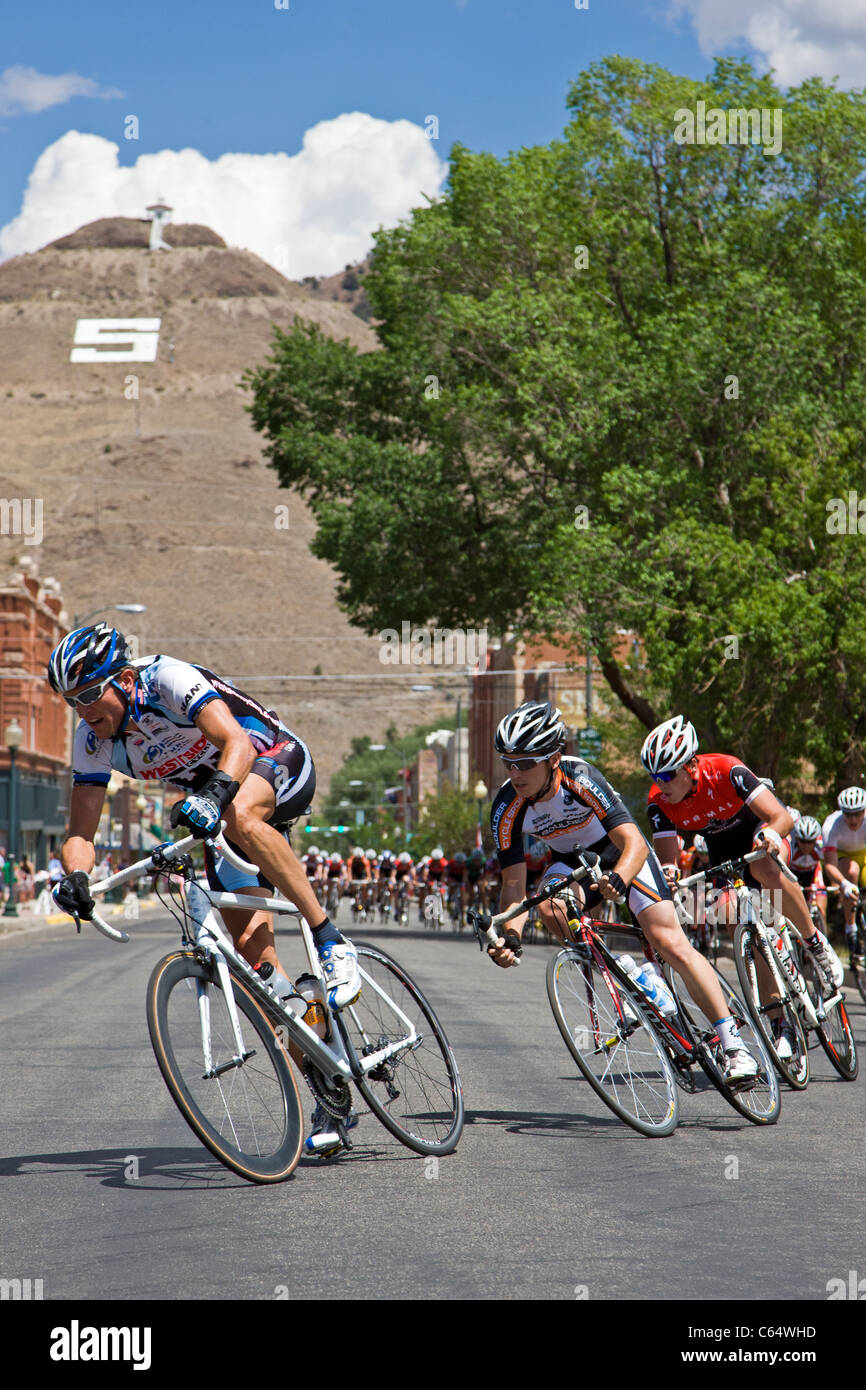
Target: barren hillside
column 184, row 516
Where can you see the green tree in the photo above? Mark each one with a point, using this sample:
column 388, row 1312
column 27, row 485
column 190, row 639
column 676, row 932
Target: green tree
column 621, row 380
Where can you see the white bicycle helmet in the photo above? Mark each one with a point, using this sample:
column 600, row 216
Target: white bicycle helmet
column 535, row 729
column 699, row 845
column 852, row 799
column 669, row 746
column 807, row 828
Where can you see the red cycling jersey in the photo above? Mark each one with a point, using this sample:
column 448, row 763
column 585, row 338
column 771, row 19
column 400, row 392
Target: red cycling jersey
column 718, row 802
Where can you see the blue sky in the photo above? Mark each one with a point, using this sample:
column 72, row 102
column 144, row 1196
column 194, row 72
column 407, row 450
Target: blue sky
column 243, row 77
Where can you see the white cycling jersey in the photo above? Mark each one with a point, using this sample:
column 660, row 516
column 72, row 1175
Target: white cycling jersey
column 838, row 835
column 165, row 744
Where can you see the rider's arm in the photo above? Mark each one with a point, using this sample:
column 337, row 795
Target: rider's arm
column 85, row 808
column 771, row 812
column 513, row 891
column 219, row 725
column 633, row 847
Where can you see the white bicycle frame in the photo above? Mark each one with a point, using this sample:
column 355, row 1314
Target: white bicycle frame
column 211, row 938
column 791, row 987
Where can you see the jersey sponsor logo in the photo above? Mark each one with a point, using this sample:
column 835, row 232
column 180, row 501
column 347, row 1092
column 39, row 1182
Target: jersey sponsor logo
column 176, row 764
column 187, row 699
column 91, row 742
column 503, row 822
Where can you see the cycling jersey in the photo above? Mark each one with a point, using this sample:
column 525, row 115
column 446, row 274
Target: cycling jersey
column 838, row 835
column 436, row 868
column 358, row 869
column 167, row 745
column 582, row 811
column 335, row 868
column 717, row 807
column 386, row 868
column 312, row 863
column 456, row 871
column 474, row 869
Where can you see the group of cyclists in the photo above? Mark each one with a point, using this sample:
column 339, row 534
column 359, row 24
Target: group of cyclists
column 391, row 883
column 236, row 763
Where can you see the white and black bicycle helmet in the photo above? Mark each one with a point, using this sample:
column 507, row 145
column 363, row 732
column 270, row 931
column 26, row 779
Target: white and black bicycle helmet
column 535, row 729
column 852, row 799
column 807, row 828
column 669, row 746
column 699, row 845
column 87, row 654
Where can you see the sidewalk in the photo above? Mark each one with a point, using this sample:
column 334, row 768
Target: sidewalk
column 30, row 920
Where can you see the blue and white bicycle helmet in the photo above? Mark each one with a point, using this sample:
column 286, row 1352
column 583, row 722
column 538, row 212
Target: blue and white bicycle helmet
column 87, row 654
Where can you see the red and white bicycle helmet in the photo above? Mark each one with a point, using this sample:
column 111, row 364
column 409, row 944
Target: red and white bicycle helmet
column 669, row 746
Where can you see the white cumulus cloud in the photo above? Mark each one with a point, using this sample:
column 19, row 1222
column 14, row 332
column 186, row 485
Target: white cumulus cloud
column 306, row 213
column 26, row 90
column 799, row 38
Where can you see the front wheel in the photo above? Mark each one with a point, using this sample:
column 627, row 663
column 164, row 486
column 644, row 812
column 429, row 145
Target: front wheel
column 834, row 1029
column 244, row 1107
column 416, row 1092
column 749, row 949
column 613, row 1041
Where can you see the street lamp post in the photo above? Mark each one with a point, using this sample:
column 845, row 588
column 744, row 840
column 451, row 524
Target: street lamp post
column 12, row 737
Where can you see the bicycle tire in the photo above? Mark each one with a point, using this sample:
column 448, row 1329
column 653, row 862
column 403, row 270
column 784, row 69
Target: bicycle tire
column 261, row 1129
column 624, row 1057
column 859, row 972
column 424, row 1078
column 748, row 946
column 761, row 1104
column 834, row 1033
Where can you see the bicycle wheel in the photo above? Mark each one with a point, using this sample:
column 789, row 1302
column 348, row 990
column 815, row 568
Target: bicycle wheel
column 834, row 1030
column 248, row 1114
column 749, row 948
column 762, row 1102
column 858, row 960
column 416, row 1093
column 624, row 1062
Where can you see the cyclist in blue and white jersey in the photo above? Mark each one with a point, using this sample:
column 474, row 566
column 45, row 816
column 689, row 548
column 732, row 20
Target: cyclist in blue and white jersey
column 568, row 803
column 159, row 718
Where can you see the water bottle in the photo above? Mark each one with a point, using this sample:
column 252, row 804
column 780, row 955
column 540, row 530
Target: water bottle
column 653, row 982
column 281, row 987
column 315, row 1016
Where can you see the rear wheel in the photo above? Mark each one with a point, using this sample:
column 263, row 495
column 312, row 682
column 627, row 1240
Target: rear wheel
column 415, row 1092
column 614, row 1043
column 761, row 1103
column 749, row 949
column 245, row 1108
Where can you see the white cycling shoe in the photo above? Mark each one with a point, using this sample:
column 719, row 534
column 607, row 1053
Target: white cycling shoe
column 824, row 956
column 339, row 961
column 324, row 1139
column 741, row 1069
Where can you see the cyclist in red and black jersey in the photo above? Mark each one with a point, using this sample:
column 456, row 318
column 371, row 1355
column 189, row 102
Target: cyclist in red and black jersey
column 720, row 797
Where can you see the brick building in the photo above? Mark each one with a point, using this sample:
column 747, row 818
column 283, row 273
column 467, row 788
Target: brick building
column 31, row 624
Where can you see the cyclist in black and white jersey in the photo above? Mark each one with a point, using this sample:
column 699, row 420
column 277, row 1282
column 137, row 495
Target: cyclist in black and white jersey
column 162, row 719
column 568, row 803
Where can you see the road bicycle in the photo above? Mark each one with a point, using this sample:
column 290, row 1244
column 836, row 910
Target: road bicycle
column 433, row 910
column 455, row 907
column 401, row 910
column 781, row 983
column 222, row 1037
column 858, row 953
column 634, row 1058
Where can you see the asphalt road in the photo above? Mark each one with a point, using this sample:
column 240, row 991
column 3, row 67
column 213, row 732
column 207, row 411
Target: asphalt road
column 107, row 1194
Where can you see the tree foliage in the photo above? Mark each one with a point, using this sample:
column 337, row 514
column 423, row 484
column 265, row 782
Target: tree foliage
column 663, row 341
